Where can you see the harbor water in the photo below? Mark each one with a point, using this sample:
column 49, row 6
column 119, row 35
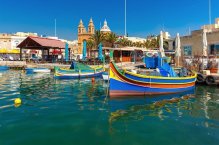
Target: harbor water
column 78, row 112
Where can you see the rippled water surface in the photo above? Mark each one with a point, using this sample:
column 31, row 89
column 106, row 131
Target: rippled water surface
column 67, row 112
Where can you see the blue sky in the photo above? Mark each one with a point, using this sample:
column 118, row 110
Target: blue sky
column 144, row 17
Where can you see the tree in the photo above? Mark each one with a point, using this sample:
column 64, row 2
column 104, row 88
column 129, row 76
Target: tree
column 124, row 42
column 154, row 43
column 147, row 43
column 90, row 46
column 97, row 38
column 111, row 38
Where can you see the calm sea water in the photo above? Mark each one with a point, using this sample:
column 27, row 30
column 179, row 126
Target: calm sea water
column 72, row 112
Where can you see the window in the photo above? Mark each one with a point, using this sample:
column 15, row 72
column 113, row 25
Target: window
column 214, row 49
column 16, row 43
column 187, row 50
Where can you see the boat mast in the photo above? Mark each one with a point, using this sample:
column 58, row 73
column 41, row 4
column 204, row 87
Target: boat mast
column 125, row 20
column 209, row 4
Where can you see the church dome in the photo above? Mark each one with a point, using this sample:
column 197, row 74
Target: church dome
column 105, row 27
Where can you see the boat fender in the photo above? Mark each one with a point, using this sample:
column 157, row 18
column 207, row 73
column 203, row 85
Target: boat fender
column 210, row 80
column 149, row 54
column 200, row 78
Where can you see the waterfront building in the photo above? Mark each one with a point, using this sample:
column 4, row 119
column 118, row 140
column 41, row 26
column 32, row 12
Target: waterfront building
column 192, row 45
column 9, row 43
column 135, row 39
column 212, row 27
column 5, row 42
column 73, row 49
column 84, row 35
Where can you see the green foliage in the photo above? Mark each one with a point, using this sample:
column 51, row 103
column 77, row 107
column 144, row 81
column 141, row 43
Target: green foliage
column 111, row 38
column 97, row 38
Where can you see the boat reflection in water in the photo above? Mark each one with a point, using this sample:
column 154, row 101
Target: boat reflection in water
column 153, row 106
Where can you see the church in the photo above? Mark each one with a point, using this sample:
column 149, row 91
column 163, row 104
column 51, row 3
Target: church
column 83, row 34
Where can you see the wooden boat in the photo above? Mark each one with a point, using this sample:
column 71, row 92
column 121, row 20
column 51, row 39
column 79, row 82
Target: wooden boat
column 214, row 70
column 78, row 73
column 130, row 84
column 4, row 68
column 37, row 70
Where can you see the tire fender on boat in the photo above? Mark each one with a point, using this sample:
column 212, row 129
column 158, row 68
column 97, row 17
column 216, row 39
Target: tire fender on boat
column 200, row 78
column 210, row 80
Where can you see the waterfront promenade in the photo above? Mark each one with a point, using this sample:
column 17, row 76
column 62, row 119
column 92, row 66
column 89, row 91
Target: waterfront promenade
column 24, row 64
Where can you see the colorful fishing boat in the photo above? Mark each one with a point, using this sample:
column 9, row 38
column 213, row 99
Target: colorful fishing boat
column 125, row 83
column 4, row 68
column 78, row 71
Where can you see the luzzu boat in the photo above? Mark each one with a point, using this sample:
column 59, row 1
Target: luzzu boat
column 79, row 71
column 126, row 83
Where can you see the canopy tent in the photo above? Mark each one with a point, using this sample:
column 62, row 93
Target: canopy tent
column 39, row 43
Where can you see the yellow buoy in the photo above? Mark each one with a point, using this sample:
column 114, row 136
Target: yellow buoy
column 17, row 101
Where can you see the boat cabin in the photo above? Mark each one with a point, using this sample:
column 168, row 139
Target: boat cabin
column 126, row 54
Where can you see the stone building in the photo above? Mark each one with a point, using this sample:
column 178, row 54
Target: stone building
column 192, row 45
column 9, row 43
column 83, row 34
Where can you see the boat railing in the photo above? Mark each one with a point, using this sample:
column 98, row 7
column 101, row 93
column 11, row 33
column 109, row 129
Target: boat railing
column 155, row 72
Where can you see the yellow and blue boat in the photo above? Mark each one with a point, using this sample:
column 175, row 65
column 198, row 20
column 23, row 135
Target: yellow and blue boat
column 124, row 83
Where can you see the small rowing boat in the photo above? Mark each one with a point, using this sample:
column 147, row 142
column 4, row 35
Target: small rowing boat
column 37, row 70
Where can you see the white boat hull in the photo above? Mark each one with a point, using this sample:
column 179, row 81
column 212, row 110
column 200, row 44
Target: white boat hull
column 41, row 70
column 105, row 77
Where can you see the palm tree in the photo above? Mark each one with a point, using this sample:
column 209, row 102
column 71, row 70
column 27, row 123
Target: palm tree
column 154, row 43
column 90, row 46
column 139, row 44
column 111, row 38
column 124, row 42
column 147, row 43
column 97, row 38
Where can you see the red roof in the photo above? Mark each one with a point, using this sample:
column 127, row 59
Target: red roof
column 41, row 42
